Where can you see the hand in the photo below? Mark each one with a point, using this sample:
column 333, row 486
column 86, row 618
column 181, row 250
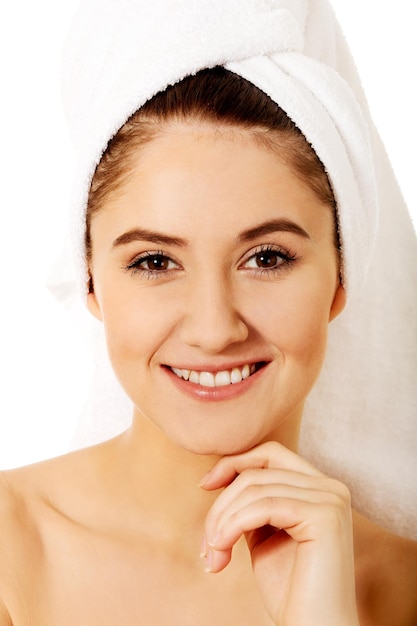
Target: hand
column 298, row 527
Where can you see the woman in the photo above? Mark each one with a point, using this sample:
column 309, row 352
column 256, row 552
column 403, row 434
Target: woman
column 216, row 252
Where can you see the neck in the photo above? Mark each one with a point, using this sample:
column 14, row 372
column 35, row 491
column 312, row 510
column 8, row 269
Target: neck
column 162, row 479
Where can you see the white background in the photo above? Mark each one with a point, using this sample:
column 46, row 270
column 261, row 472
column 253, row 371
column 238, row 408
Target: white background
column 44, row 364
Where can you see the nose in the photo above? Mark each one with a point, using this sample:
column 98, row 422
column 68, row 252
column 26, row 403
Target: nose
column 211, row 320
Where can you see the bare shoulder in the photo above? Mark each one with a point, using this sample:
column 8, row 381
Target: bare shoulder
column 12, row 538
column 12, row 521
column 35, row 504
column 8, row 516
column 386, row 575
column 5, row 619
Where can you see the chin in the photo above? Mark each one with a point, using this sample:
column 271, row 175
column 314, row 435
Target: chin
column 217, row 444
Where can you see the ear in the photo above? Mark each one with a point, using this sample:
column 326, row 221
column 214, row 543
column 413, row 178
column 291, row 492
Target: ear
column 93, row 305
column 339, row 302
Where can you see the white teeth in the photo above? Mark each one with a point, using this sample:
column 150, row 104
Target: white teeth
column 245, row 371
column 236, row 376
column 207, row 379
column 222, row 379
column 194, row 377
column 219, row 379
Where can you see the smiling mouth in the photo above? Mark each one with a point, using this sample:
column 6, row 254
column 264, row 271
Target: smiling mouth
column 218, row 379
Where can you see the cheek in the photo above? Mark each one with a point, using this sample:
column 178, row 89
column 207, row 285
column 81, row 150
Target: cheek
column 295, row 318
column 307, row 335
column 135, row 324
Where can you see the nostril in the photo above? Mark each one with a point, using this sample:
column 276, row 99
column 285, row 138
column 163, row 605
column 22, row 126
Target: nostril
column 213, row 333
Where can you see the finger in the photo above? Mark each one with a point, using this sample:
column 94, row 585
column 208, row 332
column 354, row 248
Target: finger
column 231, row 501
column 217, row 560
column 254, row 485
column 225, row 509
column 303, row 521
column 273, row 477
column 306, row 515
column 270, row 455
column 261, row 514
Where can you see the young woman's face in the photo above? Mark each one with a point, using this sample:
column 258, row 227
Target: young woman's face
column 215, row 275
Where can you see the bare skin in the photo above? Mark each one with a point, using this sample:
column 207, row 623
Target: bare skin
column 78, row 549
column 215, row 260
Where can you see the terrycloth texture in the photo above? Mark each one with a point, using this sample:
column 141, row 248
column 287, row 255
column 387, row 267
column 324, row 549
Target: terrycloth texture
column 124, row 51
column 360, row 422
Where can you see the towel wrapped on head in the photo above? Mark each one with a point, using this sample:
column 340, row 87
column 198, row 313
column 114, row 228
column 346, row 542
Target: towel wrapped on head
column 360, row 420
column 160, row 43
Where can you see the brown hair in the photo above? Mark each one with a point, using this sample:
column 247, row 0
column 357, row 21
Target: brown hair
column 212, row 95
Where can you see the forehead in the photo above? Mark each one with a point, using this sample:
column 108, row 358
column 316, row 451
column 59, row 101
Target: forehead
column 218, row 177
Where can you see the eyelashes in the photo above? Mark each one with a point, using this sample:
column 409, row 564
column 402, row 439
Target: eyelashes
column 152, row 264
column 269, row 259
column 265, row 260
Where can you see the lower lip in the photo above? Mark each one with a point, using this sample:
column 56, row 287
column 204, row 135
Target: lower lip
column 215, row 394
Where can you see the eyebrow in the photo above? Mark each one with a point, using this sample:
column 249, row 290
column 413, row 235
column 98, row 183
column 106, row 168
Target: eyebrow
column 273, row 226
column 140, row 234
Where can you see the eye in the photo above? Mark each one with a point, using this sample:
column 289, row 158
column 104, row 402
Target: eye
column 151, row 264
column 156, row 262
column 269, row 259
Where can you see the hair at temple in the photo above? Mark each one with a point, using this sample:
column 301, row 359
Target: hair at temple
column 212, row 96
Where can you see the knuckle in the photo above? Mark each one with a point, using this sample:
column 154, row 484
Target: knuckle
column 266, row 451
column 272, row 446
column 268, row 506
column 244, row 479
column 251, row 491
column 336, row 510
column 344, row 494
column 250, row 476
column 340, row 491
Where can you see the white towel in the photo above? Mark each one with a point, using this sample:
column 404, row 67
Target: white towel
column 122, row 52
column 360, row 422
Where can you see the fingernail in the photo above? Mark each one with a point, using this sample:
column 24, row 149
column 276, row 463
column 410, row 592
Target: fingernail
column 209, row 562
column 205, row 479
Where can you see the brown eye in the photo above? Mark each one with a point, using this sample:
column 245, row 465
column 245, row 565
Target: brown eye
column 268, row 259
column 157, row 262
column 152, row 264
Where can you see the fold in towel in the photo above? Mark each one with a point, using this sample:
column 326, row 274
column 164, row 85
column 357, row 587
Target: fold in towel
column 360, row 419
column 263, row 41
